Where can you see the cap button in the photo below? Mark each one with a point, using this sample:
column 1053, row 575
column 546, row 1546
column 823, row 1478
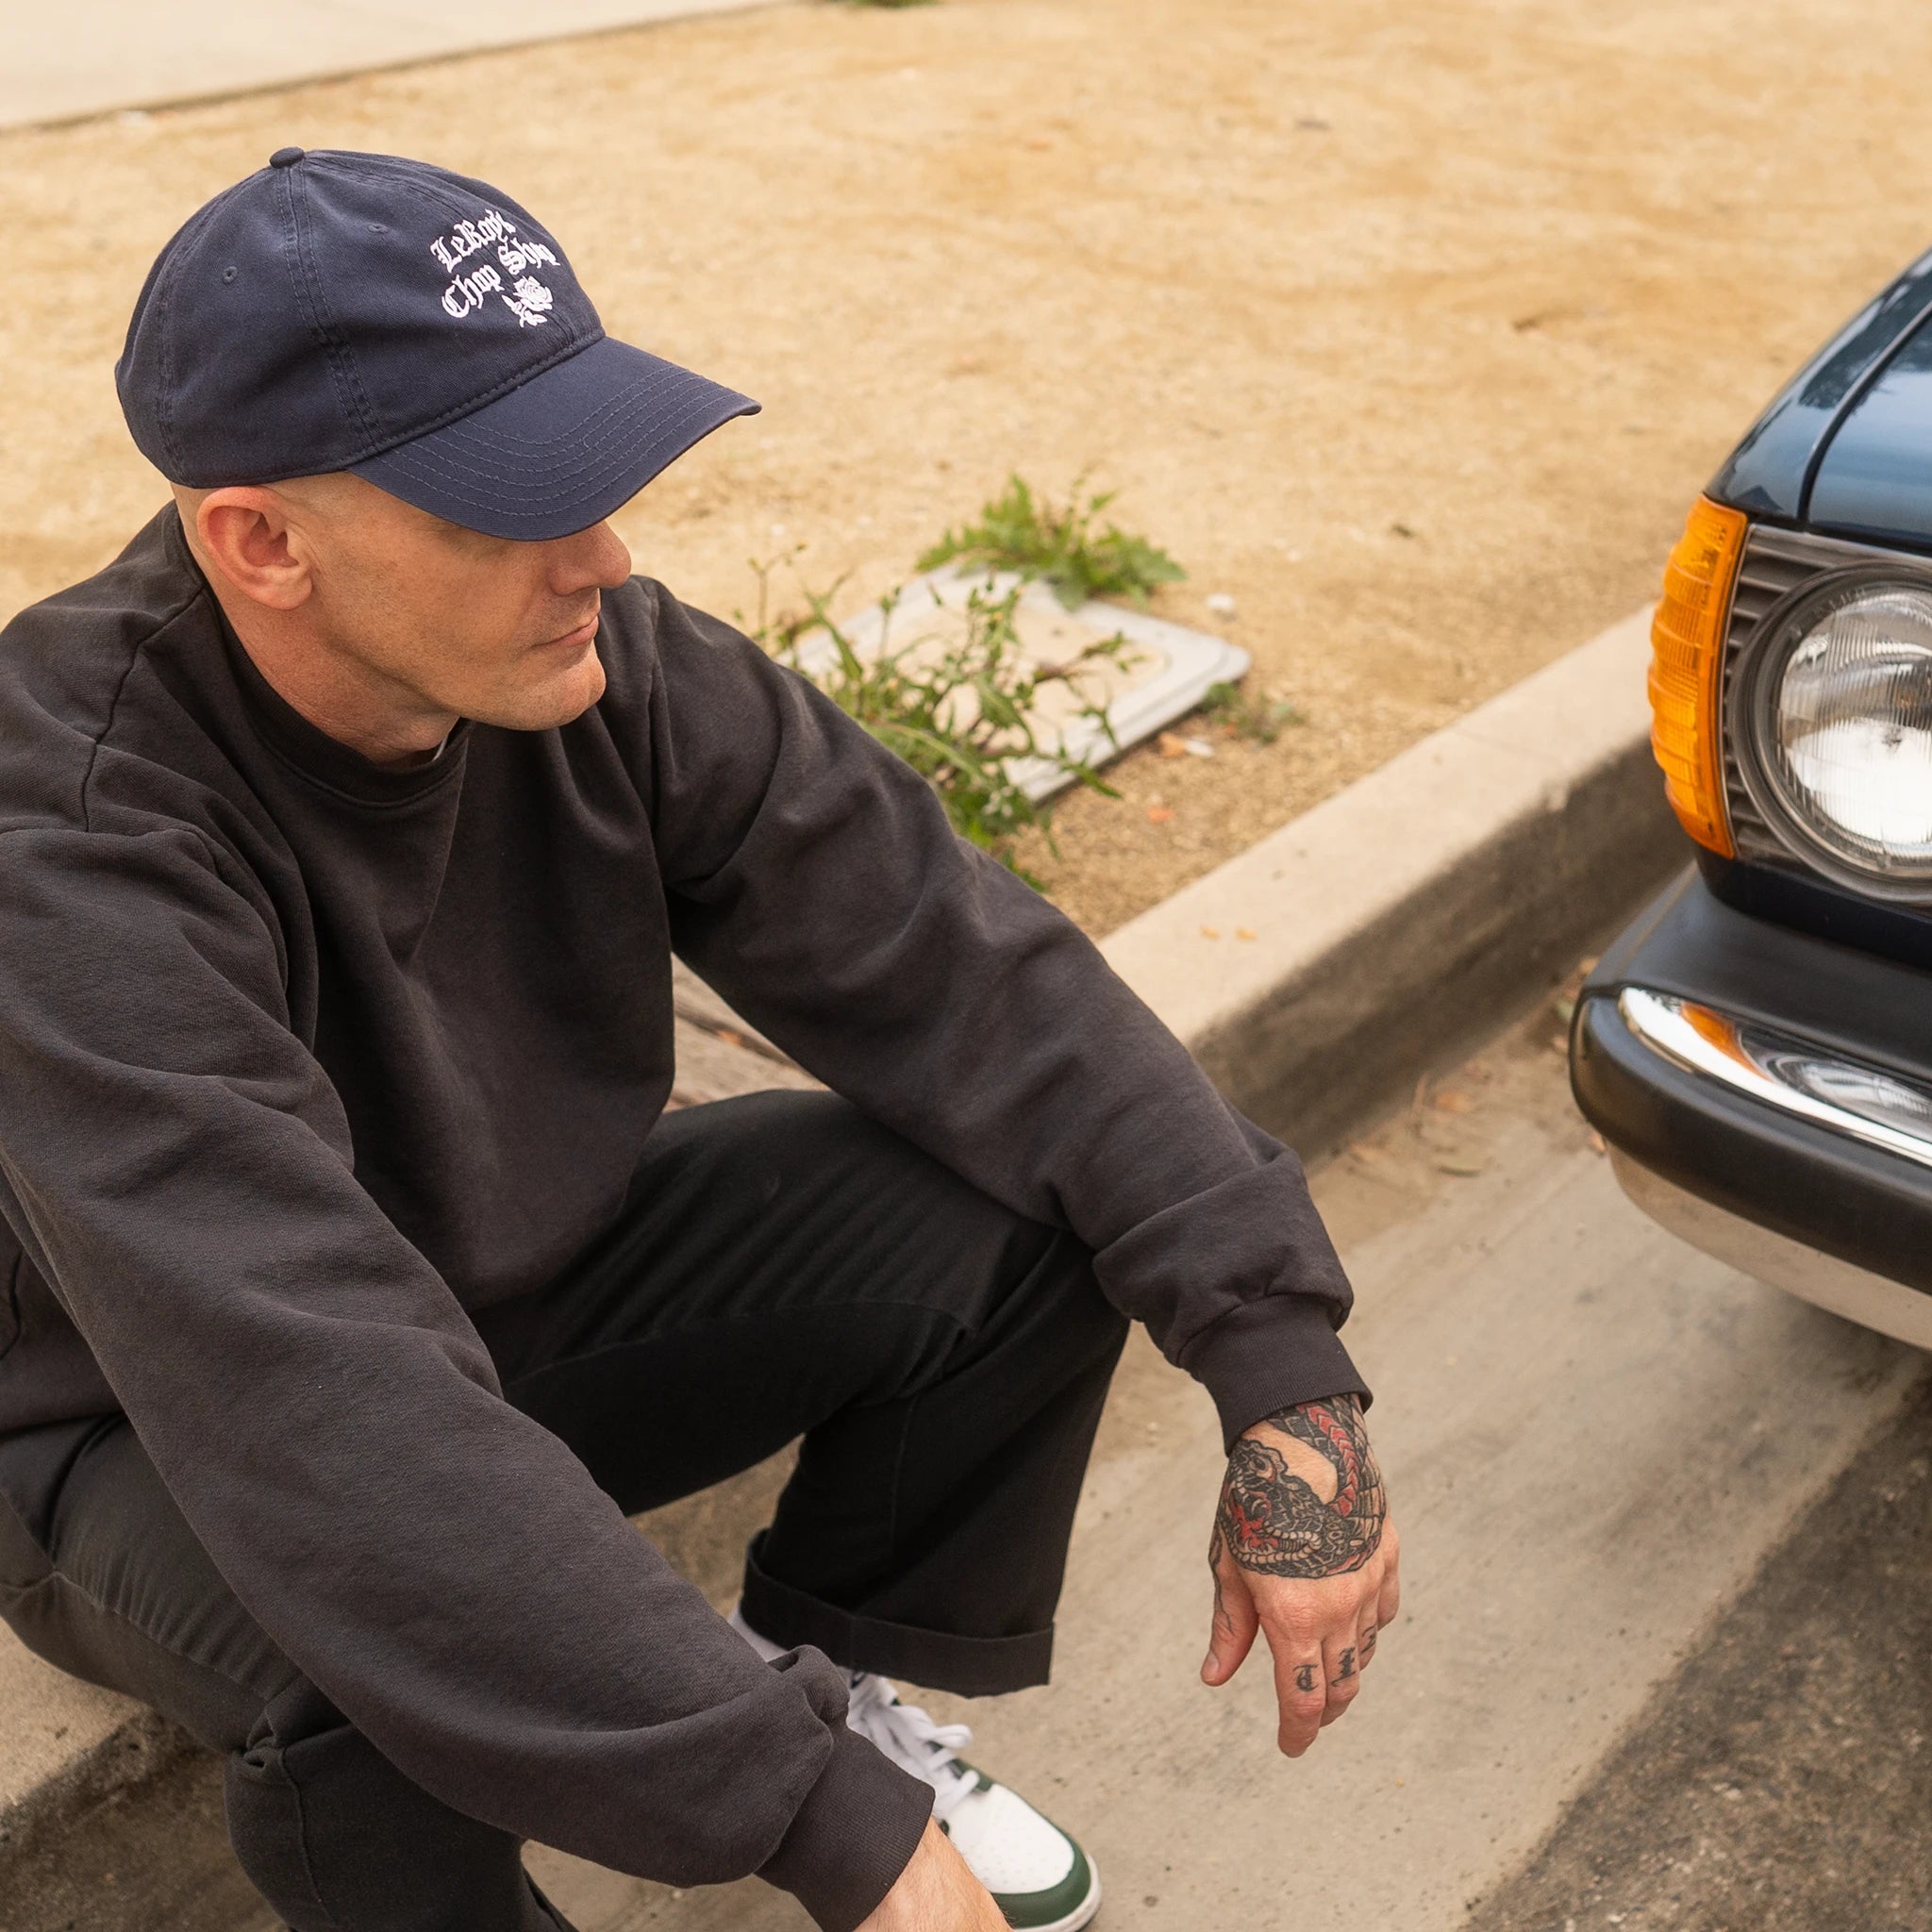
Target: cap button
column 286, row 157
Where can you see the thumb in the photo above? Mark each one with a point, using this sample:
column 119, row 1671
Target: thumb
column 1231, row 1635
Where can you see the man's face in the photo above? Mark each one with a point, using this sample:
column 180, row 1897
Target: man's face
column 443, row 618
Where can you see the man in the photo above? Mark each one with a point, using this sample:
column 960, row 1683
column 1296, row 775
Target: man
column 356, row 1289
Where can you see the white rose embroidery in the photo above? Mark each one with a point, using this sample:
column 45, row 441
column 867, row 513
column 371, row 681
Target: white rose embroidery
column 530, row 302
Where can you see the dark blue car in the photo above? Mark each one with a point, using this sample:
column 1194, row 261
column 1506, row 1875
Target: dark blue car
column 1756, row 1047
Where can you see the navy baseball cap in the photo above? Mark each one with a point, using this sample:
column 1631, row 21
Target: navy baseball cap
column 351, row 311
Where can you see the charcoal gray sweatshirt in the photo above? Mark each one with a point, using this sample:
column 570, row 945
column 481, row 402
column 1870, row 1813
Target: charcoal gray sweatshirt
column 304, row 1060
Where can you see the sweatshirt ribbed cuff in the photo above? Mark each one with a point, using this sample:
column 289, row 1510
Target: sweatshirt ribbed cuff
column 853, row 1836
column 1268, row 1355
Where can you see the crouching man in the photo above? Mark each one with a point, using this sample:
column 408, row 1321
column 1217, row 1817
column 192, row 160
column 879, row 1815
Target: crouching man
column 356, row 1286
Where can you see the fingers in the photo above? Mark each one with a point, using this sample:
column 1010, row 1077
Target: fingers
column 1231, row 1634
column 1323, row 1633
column 1301, row 1686
column 1388, row 1603
column 1323, row 1637
column 1341, row 1670
column 1367, row 1638
column 1381, row 1601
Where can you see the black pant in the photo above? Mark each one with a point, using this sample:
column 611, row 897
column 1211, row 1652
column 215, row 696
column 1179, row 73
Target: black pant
column 782, row 1267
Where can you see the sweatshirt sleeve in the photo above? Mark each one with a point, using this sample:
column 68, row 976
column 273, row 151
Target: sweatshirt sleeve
column 815, row 882
column 442, row 1568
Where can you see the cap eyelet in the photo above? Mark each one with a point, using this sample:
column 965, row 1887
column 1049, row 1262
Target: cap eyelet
column 229, row 273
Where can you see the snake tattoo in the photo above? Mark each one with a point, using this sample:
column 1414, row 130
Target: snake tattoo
column 1271, row 1522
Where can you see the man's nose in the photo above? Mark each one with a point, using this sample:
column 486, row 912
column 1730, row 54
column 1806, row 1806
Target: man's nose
column 596, row 556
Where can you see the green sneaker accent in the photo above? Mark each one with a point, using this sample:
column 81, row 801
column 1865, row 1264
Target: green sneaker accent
column 1039, row 1911
column 1062, row 1908
column 1059, row 1906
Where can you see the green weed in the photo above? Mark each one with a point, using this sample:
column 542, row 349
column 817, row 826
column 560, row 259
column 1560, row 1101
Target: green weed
column 958, row 709
column 1021, row 531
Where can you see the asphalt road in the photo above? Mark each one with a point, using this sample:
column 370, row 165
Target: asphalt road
column 1780, row 1781
column 1664, row 1656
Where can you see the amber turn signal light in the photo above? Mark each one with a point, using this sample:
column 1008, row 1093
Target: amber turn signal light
column 1687, row 646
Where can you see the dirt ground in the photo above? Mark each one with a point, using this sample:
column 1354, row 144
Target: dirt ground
column 1410, row 325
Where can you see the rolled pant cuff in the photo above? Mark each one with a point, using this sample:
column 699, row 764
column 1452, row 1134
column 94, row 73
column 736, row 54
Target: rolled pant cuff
column 968, row 1666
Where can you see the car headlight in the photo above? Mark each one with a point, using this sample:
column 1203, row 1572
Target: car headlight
column 1837, row 745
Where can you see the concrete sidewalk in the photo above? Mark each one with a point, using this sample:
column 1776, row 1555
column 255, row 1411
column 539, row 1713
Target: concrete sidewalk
column 58, row 63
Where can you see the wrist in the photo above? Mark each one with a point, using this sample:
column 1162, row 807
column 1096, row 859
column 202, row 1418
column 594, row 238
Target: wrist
column 1267, row 1356
column 853, row 1837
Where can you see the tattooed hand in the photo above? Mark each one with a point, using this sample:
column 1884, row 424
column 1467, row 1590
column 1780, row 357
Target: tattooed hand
column 1304, row 1553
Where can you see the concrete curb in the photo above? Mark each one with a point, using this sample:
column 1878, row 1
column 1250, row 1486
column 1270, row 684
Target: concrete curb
column 73, row 1747
column 1393, row 924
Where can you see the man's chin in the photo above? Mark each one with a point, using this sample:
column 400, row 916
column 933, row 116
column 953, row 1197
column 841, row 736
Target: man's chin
column 560, row 698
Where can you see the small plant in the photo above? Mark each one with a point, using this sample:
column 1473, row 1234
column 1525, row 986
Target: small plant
column 1259, row 720
column 958, row 709
column 1021, row 531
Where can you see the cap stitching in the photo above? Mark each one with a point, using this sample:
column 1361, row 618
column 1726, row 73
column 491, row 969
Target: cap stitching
column 164, row 371
column 557, row 507
column 471, row 404
column 192, row 237
column 337, row 355
column 477, row 448
column 530, row 449
column 586, row 477
column 618, row 421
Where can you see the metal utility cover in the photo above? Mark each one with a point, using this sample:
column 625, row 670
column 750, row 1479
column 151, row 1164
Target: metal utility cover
column 1169, row 672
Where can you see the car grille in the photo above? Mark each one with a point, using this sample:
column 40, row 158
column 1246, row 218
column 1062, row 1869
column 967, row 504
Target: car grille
column 1776, row 563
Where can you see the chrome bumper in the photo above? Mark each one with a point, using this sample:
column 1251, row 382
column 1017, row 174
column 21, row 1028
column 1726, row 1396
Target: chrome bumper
column 1798, row 1077
column 1807, row 1081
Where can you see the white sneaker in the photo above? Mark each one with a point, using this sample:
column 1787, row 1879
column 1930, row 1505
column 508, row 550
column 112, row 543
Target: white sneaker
column 1039, row 1878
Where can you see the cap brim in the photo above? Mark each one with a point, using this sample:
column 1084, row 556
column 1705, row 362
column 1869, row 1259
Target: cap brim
column 561, row 451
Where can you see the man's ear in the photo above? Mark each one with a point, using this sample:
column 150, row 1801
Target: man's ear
column 246, row 535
